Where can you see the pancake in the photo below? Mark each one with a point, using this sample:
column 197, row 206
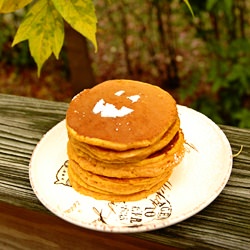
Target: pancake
column 117, row 186
column 124, row 140
column 130, row 155
column 81, row 187
column 98, row 116
column 152, row 166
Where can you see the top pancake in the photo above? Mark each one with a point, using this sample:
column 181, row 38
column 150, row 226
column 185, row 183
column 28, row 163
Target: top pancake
column 121, row 114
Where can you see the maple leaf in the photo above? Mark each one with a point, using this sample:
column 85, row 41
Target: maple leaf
column 7, row 6
column 44, row 29
column 80, row 15
column 43, row 25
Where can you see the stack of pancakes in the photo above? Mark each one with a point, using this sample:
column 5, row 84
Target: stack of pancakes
column 124, row 140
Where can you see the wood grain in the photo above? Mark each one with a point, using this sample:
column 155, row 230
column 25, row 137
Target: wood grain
column 224, row 224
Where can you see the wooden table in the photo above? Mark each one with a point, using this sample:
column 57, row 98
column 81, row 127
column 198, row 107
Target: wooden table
column 26, row 224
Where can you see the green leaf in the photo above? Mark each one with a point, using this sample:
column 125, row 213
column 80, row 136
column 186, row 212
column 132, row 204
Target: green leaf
column 80, row 15
column 189, row 7
column 7, row 6
column 44, row 29
column 57, row 31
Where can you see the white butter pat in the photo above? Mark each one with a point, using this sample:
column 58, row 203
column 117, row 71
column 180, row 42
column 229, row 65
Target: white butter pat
column 109, row 110
column 133, row 98
column 120, row 92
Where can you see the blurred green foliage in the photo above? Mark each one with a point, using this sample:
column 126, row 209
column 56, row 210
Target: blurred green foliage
column 19, row 55
column 223, row 27
column 154, row 41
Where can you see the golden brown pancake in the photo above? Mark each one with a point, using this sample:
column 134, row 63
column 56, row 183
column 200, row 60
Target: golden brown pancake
column 151, row 166
column 85, row 189
column 130, row 155
column 117, row 186
column 124, row 140
column 152, row 115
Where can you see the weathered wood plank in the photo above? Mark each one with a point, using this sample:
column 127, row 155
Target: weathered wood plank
column 224, row 224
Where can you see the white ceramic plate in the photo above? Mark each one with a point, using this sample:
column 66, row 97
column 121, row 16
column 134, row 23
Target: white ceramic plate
column 194, row 184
